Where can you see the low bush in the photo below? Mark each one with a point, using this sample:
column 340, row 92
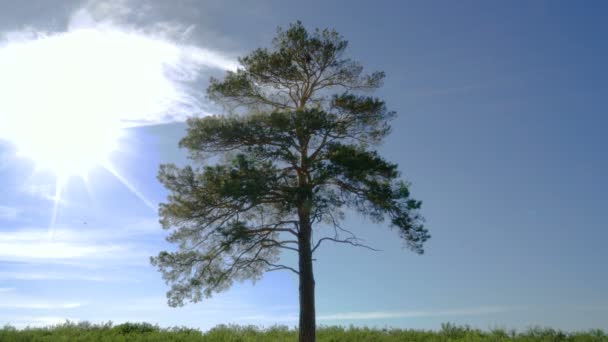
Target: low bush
column 85, row 331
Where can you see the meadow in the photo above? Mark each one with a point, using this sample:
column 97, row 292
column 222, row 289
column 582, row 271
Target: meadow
column 84, row 331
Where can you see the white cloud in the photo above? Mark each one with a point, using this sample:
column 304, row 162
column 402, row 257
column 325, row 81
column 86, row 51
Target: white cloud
column 100, row 73
column 32, row 321
column 117, row 9
column 6, row 156
column 43, row 244
column 14, row 300
column 122, row 13
column 226, row 304
column 54, row 250
column 8, row 213
column 65, row 245
column 47, row 275
column 39, row 305
column 122, row 244
column 414, row 313
column 40, row 190
column 143, row 226
column 369, row 315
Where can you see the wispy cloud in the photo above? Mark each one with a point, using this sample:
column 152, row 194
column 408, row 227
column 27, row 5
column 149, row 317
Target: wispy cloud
column 39, row 305
column 147, row 72
column 65, row 245
column 51, row 275
column 415, row 313
column 14, row 300
column 32, row 321
column 44, row 191
column 6, row 156
column 92, row 252
column 370, row 315
column 116, row 9
column 8, row 213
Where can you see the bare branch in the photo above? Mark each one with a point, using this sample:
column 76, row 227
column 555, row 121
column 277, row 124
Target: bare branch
column 349, row 241
column 279, row 267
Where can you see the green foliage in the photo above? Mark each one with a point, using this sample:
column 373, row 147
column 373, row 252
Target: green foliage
column 293, row 73
column 84, row 332
column 293, row 152
column 135, row 328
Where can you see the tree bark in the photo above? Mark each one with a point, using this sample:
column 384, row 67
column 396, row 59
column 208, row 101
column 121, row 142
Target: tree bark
column 307, row 327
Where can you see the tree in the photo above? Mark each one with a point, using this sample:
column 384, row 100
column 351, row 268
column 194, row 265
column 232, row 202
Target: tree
column 293, row 151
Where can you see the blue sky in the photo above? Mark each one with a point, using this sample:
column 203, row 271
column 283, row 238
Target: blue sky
column 501, row 130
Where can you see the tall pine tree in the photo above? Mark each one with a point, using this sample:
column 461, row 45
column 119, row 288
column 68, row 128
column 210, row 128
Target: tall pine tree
column 293, row 151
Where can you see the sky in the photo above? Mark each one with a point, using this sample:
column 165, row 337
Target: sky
column 500, row 129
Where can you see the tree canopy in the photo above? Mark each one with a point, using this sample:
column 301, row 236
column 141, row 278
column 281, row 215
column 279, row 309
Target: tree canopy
column 293, row 153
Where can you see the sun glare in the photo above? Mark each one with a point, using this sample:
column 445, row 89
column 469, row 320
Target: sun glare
column 68, row 145
column 67, row 96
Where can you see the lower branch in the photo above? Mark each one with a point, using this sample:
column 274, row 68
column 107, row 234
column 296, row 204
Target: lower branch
column 349, row 241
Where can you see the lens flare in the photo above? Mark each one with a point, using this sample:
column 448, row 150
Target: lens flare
column 67, row 97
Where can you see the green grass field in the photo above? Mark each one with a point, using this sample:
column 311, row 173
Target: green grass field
column 85, row 331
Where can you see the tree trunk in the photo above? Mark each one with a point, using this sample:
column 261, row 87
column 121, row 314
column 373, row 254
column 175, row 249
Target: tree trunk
column 307, row 328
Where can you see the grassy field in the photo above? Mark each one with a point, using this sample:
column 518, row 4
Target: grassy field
column 85, row 331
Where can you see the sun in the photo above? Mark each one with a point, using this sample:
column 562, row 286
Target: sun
column 68, row 144
column 66, row 98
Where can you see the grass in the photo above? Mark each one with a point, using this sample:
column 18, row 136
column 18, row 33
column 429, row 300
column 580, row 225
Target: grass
column 85, row 331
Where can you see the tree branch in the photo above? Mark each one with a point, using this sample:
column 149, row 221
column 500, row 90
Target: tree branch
column 278, row 267
column 347, row 241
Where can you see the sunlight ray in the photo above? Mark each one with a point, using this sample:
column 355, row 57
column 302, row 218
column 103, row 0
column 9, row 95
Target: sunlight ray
column 110, row 168
column 91, row 196
column 56, row 199
column 84, row 86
